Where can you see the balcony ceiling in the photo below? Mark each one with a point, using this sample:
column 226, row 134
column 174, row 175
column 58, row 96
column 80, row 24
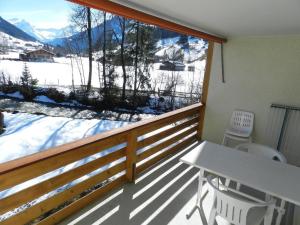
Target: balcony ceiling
column 229, row 18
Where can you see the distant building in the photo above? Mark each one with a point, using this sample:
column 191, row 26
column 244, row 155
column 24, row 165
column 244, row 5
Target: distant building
column 39, row 55
column 172, row 66
column 191, row 68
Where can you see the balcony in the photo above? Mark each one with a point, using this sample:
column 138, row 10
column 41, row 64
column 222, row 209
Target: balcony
column 120, row 156
column 132, row 175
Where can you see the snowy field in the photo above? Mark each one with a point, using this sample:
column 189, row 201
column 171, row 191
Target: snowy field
column 60, row 71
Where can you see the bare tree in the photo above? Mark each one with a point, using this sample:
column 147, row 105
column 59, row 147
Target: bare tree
column 81, row 18
column 121, row 42
column 90, row 49
column 104, row 52
column 123, row 27
column 137, row 36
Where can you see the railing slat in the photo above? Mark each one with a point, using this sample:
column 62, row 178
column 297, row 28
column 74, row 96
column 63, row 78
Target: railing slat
column 165, row 144
column 164, row 122
column 28, row 172
column 172, row 150
column 150, row 140
column 52, row 202
column 78, row 205
column 35, row 191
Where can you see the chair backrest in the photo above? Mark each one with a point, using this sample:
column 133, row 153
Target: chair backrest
column 262, row 150
column 235, row 208
column 241, row 120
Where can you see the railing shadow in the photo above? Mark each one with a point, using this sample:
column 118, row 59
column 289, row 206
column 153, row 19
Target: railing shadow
column 157, row 197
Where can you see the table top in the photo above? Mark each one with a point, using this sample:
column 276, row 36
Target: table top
column 269, row 176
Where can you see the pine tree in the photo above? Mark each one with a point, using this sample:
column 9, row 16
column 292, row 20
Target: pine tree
column 26, row 78
column 141, row 44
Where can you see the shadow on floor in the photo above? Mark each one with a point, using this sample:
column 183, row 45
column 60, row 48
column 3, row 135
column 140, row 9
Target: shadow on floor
column 162, row 195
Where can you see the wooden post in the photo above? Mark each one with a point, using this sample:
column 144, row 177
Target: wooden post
column 131, row 156
column 205, row 88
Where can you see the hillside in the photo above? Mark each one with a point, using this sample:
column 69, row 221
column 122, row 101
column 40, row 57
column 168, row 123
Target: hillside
column 13, row 31
column 97, row 34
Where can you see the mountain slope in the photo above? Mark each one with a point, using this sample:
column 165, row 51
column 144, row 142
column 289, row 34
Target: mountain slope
column 41, row 34
column 12, row 30
column 26, row 27
column 97, row 34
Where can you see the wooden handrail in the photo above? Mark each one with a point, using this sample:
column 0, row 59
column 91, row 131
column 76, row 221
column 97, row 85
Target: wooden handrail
column 27, row 160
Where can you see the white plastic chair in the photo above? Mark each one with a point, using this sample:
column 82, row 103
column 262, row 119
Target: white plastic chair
column 240, row 127
column 239, row 208
column 269, row 153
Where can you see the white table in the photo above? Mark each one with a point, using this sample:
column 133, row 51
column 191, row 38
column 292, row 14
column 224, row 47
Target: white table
column 271, row 177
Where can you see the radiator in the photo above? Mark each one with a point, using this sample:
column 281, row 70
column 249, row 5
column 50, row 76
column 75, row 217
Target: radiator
column 283, row 131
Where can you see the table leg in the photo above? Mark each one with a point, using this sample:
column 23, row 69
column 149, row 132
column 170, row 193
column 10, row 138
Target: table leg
column 199, row 193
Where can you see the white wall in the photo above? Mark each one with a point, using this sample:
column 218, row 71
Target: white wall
column 258, row 71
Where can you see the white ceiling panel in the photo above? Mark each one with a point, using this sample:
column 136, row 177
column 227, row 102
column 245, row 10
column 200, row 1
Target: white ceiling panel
column 227, row 18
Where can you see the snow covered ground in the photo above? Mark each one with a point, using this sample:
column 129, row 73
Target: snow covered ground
column 27, row 133
column 60, row 72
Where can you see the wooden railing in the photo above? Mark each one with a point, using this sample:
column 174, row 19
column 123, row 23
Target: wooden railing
column 118, row 156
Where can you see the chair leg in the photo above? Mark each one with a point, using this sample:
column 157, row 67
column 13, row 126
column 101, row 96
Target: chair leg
column 224, row 142
column 227, row 182
column 269, row 216
column 250, row 139
column 212, row 216
column 238, row 186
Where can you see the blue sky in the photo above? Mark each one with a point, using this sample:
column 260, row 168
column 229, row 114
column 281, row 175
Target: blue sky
column 40, row 13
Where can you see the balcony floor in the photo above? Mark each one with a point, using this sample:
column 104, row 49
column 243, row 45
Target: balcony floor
column 162, row 195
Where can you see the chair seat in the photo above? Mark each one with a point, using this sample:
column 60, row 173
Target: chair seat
column 238, row 133
column 238, row 208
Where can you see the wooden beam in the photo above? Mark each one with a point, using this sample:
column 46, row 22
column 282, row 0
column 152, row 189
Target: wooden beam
column 130, row 13
column 205, row 88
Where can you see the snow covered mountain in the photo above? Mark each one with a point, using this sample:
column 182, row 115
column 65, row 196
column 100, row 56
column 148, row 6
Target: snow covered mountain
column 14, row 31
column 41, row 34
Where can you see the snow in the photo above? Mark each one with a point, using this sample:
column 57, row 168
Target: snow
column 43, row 98
column 16, row 94
column 167, row 41
column 59, row 73
column 72, row 103
column 16, row 45
column 27, row 133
